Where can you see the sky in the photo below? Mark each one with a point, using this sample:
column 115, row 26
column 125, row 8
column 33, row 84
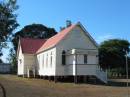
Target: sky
column 103, row 19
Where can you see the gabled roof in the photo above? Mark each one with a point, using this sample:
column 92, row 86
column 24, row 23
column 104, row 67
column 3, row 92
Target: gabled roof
column 55, row 39
column 34, row 46
column 30, row 46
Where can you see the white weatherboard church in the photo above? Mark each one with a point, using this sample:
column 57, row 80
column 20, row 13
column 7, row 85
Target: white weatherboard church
column 70, row 53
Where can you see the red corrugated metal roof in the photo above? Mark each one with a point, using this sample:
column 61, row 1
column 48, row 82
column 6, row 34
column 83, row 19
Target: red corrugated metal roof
column 32, row 46
column 55, row 39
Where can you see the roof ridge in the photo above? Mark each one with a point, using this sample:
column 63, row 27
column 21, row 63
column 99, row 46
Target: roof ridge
column 32, row 38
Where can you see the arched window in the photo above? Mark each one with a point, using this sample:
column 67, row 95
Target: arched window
column 43, row 61
column 47, row 60
column 20, row 61
column 85, row 59
column 51, row 59
column 63, row 57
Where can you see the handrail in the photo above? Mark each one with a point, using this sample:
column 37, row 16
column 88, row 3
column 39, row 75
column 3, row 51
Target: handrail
column 102, row 75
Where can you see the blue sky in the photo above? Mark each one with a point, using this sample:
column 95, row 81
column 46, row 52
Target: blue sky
column 103, row 19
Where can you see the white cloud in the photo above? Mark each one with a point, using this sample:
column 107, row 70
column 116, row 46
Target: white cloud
column 101, row 38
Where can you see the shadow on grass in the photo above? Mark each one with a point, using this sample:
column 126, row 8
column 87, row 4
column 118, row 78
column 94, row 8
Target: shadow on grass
column 110, row 83
column 118, row 84
column 89, row 81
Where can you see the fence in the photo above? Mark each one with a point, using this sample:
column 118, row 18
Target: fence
column 5, row 68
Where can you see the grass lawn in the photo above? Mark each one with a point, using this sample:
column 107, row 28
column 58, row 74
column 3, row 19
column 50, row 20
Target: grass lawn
column 24, row 87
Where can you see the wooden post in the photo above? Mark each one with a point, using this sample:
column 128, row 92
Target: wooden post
column 49, row 78
column 55, row 79
column 34, row 73
column 28, row 73
column 85, row 79
column 75, row 77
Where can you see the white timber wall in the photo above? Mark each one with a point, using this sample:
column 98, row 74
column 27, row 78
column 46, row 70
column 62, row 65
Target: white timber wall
column 29, row 62
column 82, row 69
column 20, row 62
column 75, row 39
column 47, row 62
column 91, row 59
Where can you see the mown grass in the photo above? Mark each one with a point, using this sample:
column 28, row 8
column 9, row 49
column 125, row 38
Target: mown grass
column 24, row 87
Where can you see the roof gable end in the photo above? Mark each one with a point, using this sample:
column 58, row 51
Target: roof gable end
column 88, row 35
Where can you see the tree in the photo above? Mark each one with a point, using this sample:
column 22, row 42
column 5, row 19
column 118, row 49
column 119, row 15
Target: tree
column 112, row 53
column 13, row 60
column 1, row 61
column 33, row 31
column 7, row 21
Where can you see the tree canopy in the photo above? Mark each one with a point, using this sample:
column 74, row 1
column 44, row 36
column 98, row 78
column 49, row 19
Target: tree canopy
column 112, row 53
column 1, row 61
column 13, row 60
column 7, row 21
column 33, row 31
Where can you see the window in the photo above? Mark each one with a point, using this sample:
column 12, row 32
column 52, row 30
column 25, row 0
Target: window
column 20, row 60
column 51, row 60
column 43, row 61
column 85, row 59
column 63, row 57
column 47, row 60
column 40, row 64
column 39, row 59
